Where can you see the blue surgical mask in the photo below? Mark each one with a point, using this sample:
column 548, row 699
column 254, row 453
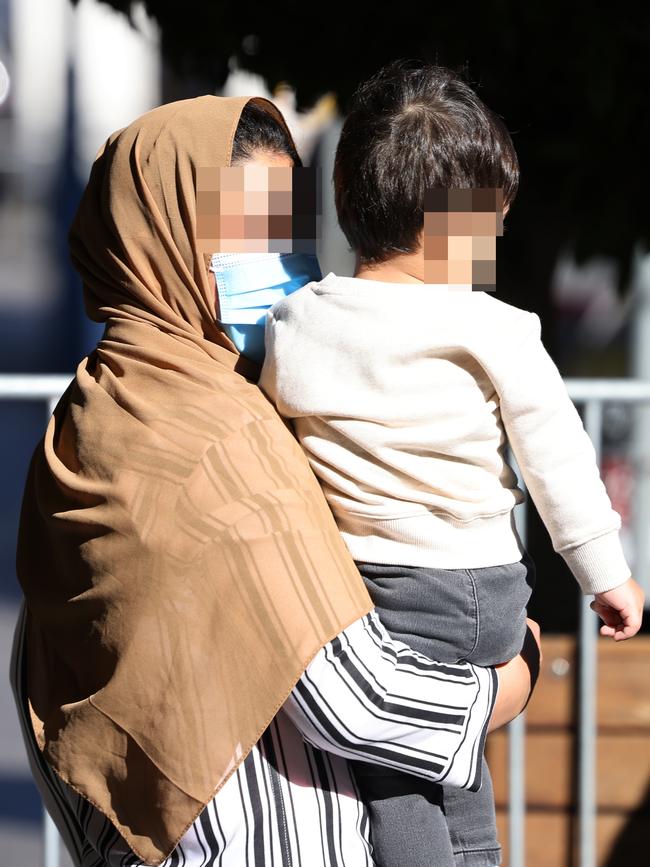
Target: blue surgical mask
column 249, row 283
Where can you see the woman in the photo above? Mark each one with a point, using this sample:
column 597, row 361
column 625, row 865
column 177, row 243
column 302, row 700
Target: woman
column 183, row 574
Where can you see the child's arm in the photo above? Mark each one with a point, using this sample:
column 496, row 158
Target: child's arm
column 558, row 463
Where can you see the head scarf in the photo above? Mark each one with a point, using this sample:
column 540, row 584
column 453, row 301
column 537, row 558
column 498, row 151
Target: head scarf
column 179, row 562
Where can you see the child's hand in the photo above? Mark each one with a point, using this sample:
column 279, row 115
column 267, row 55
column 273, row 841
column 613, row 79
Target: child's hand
column 621, row 610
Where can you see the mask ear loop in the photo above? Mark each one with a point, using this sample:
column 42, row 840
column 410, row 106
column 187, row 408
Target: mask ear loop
column 208, row 258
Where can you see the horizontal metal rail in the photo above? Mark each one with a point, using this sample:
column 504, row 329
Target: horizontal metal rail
column 26, row 386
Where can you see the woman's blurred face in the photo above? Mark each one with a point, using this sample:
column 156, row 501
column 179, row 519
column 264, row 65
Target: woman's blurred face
column 237, row 205
column 253, row 203
column 261, row 215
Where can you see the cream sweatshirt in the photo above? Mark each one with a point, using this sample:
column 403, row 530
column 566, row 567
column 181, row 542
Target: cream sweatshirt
column 403, row 397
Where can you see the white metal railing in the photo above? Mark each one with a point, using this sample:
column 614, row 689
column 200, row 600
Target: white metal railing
column 593, row 394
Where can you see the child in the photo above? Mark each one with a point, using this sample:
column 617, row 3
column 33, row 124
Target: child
column 402, row 391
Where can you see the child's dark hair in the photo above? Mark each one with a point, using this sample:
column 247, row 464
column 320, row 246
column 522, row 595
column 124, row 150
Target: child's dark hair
column 259, row 130
column 412, row 126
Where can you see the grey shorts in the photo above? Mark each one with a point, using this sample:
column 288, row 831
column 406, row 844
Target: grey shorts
column 450, row 615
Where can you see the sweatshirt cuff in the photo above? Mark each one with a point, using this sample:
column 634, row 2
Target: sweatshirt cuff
column 599, row 564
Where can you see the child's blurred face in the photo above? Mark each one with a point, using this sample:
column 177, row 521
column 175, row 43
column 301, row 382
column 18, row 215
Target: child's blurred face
column 459, row 237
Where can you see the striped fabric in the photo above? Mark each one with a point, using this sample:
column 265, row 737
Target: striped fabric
column 293, row 801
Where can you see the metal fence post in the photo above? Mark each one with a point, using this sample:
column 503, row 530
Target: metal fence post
column 517, row 792
column 588, row 723
column 51, row 841
column 517, row 736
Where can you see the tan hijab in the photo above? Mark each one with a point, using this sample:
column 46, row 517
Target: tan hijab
column 179, row 562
